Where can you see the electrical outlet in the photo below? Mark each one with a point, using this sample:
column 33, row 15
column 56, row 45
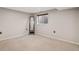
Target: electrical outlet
column 54, row 31
column 0, row 32
column 26, row 29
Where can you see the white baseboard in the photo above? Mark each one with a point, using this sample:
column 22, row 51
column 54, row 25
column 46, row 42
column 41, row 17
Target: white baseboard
column 57, row 38
column 15, row 36
column 69, row 41
column 44, row 35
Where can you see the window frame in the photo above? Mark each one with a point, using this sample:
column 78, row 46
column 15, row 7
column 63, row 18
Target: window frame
column 38, row 22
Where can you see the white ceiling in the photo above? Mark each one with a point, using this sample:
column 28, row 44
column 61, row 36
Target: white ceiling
column 36, row 9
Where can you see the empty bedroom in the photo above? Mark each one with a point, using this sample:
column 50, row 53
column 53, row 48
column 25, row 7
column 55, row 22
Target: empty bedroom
column 39, row 28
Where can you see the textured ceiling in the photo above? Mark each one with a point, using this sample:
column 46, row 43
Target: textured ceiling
column 36, row 9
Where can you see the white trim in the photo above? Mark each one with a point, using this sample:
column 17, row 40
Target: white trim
column 72, row 42
column 47, row 36
column 15, row 36
column 57, row 38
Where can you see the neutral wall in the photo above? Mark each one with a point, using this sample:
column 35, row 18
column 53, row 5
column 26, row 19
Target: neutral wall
column 12, row 23
column 64, row 22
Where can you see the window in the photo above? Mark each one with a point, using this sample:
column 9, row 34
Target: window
column 42, row 19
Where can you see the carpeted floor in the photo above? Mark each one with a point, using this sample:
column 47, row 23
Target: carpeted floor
column 36, row 43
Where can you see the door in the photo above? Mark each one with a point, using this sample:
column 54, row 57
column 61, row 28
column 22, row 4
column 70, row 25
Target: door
column 31, row 25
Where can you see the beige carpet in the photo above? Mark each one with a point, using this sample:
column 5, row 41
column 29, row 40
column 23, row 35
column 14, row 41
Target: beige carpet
column 36, row 43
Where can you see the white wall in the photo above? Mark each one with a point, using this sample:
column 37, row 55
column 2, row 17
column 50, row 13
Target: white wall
column 12, row 23
column 77, row 26
column 65, row 22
